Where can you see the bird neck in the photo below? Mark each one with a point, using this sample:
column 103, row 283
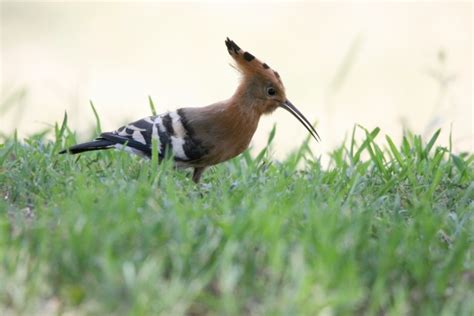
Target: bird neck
column 245, row 97
column 234, row 125
column 240, row 117
column 243, row 106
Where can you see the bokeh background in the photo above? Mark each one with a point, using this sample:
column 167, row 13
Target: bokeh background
column 394, row 65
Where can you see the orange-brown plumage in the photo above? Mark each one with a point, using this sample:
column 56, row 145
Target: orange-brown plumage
column 204, row 136
column 225, row 128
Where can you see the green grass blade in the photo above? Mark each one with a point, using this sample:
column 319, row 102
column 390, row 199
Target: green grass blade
column 152, row 106
column 460, row 164
column 370, row 137
column 431, row 142
column 98, row 127
column 353, row 144
column 266, row 149
column 395, row 151
column 59, row 133
column 155, row 143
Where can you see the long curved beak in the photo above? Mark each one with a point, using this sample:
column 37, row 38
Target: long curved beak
column 287, row 105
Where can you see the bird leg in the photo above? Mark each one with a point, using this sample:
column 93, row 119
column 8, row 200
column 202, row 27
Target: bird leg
column 198, row 173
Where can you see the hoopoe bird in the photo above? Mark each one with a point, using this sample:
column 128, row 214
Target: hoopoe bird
column 200, row 137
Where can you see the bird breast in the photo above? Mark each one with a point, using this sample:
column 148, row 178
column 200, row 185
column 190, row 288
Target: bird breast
column 225, row 130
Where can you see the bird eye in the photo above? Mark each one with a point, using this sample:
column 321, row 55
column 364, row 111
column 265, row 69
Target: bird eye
column 271, row 91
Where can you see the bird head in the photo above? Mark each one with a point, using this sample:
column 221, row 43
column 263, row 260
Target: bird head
column 263, row 86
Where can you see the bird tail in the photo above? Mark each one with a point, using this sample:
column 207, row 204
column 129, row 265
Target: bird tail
column 98, row 144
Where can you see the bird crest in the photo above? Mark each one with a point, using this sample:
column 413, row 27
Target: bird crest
column 249, row 65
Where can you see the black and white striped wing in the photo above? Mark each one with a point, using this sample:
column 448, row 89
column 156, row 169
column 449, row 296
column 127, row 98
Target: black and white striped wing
column 170, row 130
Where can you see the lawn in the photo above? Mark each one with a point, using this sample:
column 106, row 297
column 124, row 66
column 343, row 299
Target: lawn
column 385, row 229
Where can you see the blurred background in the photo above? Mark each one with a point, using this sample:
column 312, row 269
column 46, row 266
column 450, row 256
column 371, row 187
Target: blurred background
column 394, row 65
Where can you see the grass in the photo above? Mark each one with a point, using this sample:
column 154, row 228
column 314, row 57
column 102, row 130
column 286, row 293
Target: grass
column 381, row 231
